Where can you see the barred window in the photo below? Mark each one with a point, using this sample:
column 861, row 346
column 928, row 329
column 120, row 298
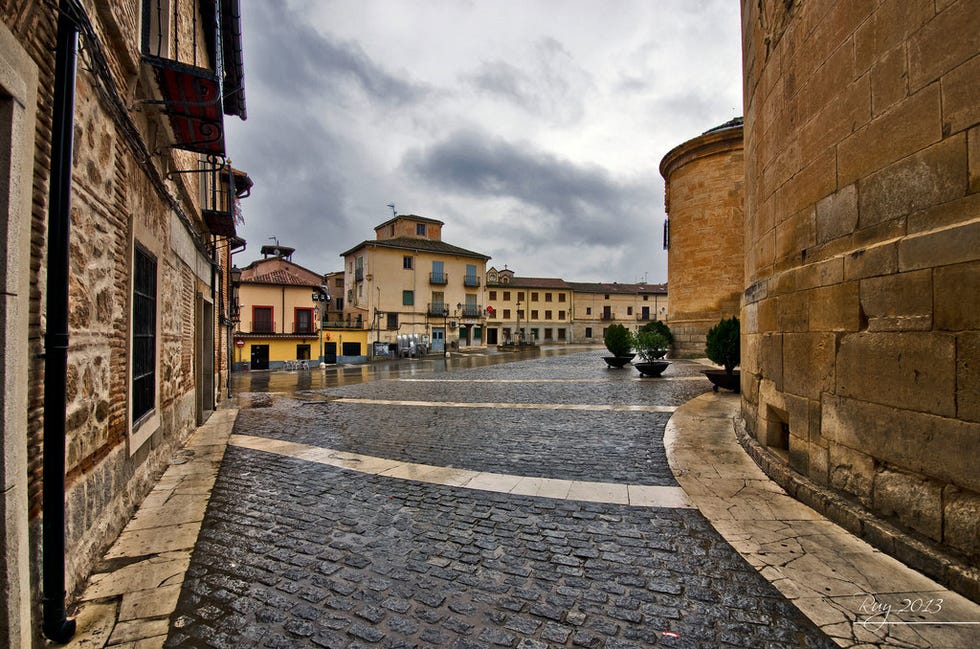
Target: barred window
column 144, row 332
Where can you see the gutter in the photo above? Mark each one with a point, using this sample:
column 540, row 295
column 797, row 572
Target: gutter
column 56, row 624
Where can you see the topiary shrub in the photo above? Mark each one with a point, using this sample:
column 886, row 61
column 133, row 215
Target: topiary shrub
column 722, row 345
column 650, row 345
column 660, row 327
column 618, row 340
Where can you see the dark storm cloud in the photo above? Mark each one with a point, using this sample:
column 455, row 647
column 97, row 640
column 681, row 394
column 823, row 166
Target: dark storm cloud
column 299, row 62
column 575, row 202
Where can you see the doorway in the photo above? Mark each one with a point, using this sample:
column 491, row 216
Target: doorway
column 260, row 357
column 438, row 339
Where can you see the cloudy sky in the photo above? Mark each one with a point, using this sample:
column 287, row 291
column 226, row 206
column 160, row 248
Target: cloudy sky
column 533, row 128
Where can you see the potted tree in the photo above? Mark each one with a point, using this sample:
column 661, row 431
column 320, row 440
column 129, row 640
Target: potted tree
column 619, row 342
column 651, row 346
column 723, row 348
column 660, row 327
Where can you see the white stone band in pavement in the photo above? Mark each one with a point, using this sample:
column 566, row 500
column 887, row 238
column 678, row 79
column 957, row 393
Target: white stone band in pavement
column 507, row 406
column 638, row 379
column 599, row 492
column 852, row 591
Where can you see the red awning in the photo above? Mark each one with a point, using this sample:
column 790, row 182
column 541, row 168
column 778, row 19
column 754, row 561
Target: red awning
column 192, row 101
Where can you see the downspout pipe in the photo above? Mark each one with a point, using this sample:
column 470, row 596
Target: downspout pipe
column 56, row 624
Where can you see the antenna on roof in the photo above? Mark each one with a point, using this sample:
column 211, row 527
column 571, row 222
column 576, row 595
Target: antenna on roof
column 392, row 206
column 276, row 239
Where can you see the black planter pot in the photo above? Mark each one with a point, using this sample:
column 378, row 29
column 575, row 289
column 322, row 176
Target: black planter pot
column 722, row 379
column 651, row 368
column 618, row 362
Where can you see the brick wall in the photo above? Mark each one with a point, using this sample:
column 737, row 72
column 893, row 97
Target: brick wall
column 704, row 194
column 861, row 314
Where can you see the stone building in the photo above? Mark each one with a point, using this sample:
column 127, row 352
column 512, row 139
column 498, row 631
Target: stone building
column 704, row 192
column 409, row 281
column 118, row 225
column 596, row 305
column 861, row 311
column 532, row 309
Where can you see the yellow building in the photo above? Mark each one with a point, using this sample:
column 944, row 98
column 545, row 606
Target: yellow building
column 279, row 312
column 529, row 309
column 408, row 281
column 598, row 305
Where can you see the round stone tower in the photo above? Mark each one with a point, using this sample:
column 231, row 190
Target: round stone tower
column 704, row 234
column 861, row 311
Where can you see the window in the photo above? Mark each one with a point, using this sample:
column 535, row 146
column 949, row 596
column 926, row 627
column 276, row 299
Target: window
column 302, row 352
column 629, row 310
column 607, row 296
column 506, row 314
column 588, row 310
column 262, row 321
column 493, row 295
column 302, row 321
column 506, row 296
column 520, row 313
column 561, row 315
column 561, row 334
column 408, row 298
column 338, row 303
column 534, row 296
column 520, row 296
column 420, row 229
column 547, row 315
column 646, row 297
column 438, row 275
column 588, row 332
column 547, row 297
column 392, row 320
column 351, row 349
column 339, row 283
column 561, row 297
column 547, row 333
column 144, row 332
column 407, row 262
column 470, row 278
column 534, row 314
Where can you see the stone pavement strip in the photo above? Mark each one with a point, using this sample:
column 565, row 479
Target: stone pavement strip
column 858, row 595
column 132, row 594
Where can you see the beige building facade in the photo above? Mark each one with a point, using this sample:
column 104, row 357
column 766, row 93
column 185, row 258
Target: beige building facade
column 118, row 225
column 704, row 233
column 408, row 281
column 529, row 309
column 861, row 312
column 598, row 305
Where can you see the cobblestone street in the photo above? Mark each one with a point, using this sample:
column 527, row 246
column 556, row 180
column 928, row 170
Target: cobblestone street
column 298, row 553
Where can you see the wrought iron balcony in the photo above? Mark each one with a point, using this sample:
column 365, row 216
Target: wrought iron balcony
column 438, row 278
column 472, row 310
column 471, row 281
column 262, row 327
column 438, row 309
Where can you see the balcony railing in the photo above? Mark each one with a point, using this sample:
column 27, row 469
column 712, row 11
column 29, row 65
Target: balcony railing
column 438, row 278
column 472, row 310
column 608, row 316
column 262, row 326
column 471, row 280
column 438, row 309
column 643, row 317
column 303, row 328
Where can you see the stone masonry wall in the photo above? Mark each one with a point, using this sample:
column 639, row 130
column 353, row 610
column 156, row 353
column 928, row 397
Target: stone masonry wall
column 861, row 317
column 113, row 203
column 704, row 194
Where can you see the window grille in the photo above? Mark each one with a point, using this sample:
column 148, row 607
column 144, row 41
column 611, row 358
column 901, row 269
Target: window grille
column 144, row 332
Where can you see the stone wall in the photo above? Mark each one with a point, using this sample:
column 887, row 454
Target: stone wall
column 861, row 316
column 703, row 198
column 119, row 196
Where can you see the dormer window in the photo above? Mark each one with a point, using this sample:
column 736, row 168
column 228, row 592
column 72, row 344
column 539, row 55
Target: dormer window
column 420, row 229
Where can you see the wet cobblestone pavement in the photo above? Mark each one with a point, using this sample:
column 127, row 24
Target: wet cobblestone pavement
column 298, row 554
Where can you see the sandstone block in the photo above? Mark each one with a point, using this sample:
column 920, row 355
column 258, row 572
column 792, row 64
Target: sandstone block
column 771, row 358
column 870, row 262
column 944, row 215
column 941, row 448
column 944, row 43
column 910, row 126
column 912, row 499
column 851, row 471
column 851, row 111
column 957, row 297
column 889, row 80
column 951, row 245
column 835, row 308
column 973, row 155
column 791, row 312
column 819, row 467
column 816, row 180
column 929, row 177
column 898, row 302
column 890, row 25
column 795, row 234
column 837, row 214
column 808, row 364
column 961, row 97
column 968, row 376
column 962, row 521
column 914, row 371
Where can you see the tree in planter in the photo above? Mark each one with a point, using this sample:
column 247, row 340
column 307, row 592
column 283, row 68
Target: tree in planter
column 659, row 327
column 650, row 345
column 618, row 339
column 722, row 345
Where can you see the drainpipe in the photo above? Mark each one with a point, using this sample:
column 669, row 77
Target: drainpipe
column 56, row 626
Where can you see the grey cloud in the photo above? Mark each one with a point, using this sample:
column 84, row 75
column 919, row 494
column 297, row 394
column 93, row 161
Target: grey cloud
column 563, row 200
column 298, row 62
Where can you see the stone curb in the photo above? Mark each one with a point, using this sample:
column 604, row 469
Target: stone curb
column 915, row 553
column 132, row 593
